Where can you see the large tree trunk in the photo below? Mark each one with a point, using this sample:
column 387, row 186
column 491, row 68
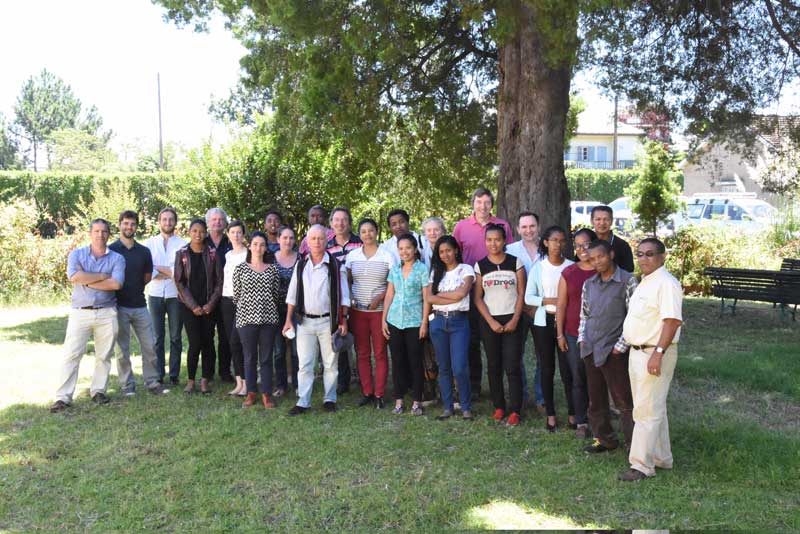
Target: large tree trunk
column 533, row 100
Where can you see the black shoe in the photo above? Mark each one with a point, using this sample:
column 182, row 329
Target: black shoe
column 100, row 398
column 366, row 399
column 329, row 406
column 379, row 403
column 596, row 447
column 158, row 390
column 447, row 414
column 172, row 380
column 550, row 428
column 297, row 410
column 476, row 396
column 58, row 406
column 160, row 380
column 341, row 390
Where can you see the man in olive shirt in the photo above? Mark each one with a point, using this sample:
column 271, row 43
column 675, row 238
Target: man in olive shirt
column 652, row 328
column 132, row 309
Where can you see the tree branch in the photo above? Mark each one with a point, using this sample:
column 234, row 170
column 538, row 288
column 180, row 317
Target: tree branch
column 777, row 25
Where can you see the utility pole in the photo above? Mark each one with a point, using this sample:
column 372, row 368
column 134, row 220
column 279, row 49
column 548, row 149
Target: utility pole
column 614, row 160
column 160, row 142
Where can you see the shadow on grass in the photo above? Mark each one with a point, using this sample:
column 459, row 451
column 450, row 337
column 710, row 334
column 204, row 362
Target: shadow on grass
column 50, row 330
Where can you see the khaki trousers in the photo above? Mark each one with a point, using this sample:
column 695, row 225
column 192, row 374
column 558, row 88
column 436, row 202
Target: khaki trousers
column 102, row 324
column 650, row 447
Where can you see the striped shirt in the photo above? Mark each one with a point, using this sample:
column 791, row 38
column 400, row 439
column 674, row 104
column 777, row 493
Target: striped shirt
column 340, row 251
column 369, row 276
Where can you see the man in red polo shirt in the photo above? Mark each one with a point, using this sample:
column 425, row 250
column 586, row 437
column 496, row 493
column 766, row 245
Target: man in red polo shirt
column 471, row 236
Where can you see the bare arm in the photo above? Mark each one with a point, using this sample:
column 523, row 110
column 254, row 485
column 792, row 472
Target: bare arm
column 84, row 278
column 109, row 284
column 561, row 307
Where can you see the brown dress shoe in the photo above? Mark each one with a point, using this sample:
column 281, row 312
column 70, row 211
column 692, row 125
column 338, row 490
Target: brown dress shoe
column 266, row 400
column 250, row 400
column 631, row 475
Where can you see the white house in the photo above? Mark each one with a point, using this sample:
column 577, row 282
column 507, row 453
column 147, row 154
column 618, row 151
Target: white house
column 592, row 147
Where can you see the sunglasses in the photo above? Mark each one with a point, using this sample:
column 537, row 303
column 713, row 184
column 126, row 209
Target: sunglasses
column 649, row 253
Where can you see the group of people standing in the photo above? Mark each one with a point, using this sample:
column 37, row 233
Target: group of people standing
column 274, row 304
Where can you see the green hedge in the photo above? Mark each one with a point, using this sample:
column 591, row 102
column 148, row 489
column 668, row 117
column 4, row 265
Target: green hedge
column 603, row 185
column 57, row 196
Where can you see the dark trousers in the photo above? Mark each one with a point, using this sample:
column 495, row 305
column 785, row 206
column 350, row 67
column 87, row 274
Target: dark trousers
column 580, row 397
column 545, row 343
column 475, row 358
column 200, row 331
column 235, row 344
column 281, row 346
column 223, row 347
column 171, row 307
column 344, row 369
column 407, row 372
column 612, row 377
column 258, row 342
column 502, row 355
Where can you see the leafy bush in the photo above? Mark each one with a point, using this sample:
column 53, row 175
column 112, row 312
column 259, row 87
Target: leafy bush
column 654, row 193
column 31, row 268
column 692, row 249
column 604, row 185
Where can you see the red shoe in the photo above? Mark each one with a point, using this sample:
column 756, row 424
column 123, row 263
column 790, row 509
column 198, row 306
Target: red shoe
column 498, row 415
column 513, row 419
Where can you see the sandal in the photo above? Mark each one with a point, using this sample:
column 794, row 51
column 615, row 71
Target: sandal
column 416, row 410
column 398, row 409
column 189, row 389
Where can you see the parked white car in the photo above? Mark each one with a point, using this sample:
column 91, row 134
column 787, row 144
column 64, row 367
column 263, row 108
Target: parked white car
column 742, row 210
column 581, row 211
column 624, row 219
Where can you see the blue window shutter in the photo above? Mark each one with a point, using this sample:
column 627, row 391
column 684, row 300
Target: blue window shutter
column 591, row 154
column 602, row 153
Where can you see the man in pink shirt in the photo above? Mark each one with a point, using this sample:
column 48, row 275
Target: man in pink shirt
column 471, row 236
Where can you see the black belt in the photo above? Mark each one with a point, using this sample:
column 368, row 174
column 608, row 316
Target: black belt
column 643, row 347
column 92, row 307
column 312, row 316
column 451, row 313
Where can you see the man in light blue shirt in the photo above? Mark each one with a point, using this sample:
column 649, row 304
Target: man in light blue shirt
column 96, row 273
column 527, row 250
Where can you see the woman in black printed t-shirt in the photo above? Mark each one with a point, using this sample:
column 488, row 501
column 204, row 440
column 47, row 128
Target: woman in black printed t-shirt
column 499, row 296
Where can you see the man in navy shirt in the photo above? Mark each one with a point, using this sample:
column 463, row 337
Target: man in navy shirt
column 96, row 273
column 132, row 309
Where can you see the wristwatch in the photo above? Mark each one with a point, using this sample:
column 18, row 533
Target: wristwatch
column 660, row 350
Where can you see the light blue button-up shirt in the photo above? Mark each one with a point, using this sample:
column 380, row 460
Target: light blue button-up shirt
column 112, row 263
column 406, row 308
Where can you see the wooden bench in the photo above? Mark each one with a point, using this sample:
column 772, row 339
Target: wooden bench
column 778, row 287
column 790, row 264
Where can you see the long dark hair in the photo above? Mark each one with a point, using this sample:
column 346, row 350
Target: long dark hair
column 438, row 267
column 269, row 257
column 410, row 238
column 555, row 229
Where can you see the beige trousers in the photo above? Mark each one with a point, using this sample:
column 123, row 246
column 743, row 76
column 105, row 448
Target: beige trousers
column 650, row 447
column 102, row 324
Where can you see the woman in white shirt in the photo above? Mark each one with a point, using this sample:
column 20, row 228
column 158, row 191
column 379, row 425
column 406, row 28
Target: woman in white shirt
column 448, row 293
column 235, row 256
column 542, row 294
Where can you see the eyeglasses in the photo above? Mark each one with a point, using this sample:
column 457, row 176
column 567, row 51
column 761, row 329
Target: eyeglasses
column 649, row 253
column 584, row 246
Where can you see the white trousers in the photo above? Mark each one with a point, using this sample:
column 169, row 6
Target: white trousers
column 314, row 337
column 650, row 447
column 102, row 324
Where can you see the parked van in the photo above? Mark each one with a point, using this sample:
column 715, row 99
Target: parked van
column 742, row 210
column 581, row 212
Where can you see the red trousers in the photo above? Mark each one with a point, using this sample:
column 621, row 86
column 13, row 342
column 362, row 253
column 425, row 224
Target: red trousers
column 366, row 329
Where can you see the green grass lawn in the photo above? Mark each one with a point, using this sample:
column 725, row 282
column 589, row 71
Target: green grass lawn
column 182, row 462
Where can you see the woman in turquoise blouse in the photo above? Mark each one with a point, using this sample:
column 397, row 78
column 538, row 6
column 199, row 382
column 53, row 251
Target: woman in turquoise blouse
column 405, row 323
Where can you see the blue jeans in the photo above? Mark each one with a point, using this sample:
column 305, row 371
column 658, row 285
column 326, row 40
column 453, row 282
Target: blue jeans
column 450, row 336
column 159, row 306
column 537, row 374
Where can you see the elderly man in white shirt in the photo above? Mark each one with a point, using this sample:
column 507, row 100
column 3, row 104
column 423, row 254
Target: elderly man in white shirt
column 652, row 328
column 162, row 296
column 319, row 298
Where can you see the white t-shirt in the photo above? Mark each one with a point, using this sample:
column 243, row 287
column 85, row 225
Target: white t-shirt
column 232, row 259
column 551, row 275
column 451, row 281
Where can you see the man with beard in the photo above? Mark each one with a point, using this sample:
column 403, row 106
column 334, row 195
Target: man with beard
column 162, row 295
column 132, row 309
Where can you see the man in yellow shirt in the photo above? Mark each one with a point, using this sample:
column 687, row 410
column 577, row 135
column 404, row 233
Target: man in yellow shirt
column 652, row 327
